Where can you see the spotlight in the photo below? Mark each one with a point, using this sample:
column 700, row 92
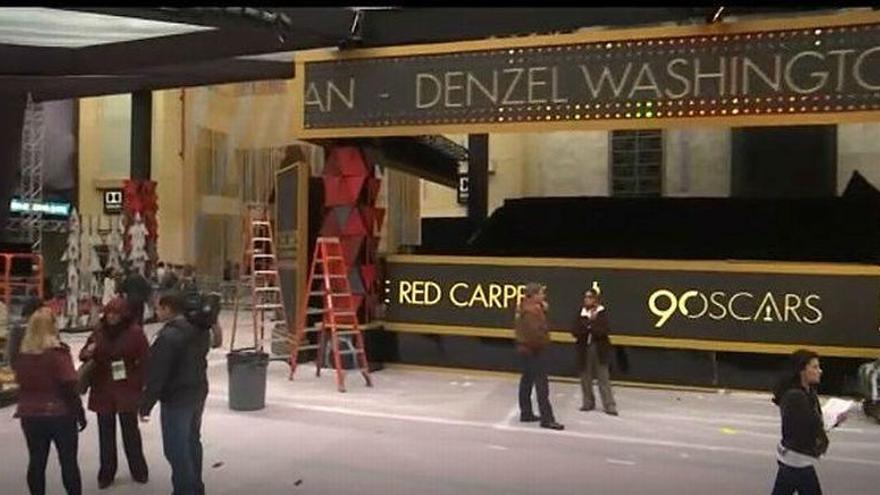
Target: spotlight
column 355, row 35
column 716, row 17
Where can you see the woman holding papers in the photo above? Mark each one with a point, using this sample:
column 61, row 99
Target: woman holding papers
column 803, row 429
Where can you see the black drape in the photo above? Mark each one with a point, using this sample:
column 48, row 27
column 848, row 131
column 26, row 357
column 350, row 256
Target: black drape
column 11, row 122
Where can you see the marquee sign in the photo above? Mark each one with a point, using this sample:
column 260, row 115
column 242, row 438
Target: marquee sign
column 653, row 300
column 735, row 73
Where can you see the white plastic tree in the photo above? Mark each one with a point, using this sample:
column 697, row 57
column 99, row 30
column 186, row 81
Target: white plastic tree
column 96, row 288
column 115, row 246
column 138, row 237
column 72, row 258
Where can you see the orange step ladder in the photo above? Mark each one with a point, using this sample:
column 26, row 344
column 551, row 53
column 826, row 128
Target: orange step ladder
column 328, row 283
column 260, row 272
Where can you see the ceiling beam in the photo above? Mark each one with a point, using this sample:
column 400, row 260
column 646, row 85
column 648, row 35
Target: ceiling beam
column 153, row 79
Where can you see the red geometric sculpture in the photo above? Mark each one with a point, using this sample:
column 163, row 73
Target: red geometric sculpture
column 351, row 249
column 373, row 186
column 351, row 189
column 368, row 276
column 349, row 161
column 354, row 225
column 330, row 227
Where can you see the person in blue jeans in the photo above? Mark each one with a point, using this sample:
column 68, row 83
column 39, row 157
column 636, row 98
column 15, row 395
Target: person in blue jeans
column 177, row 378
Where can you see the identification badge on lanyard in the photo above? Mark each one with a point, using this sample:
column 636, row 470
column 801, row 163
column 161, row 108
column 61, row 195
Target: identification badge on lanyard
column 118, row 368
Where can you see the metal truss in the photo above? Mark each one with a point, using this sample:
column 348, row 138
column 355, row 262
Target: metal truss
column 30, row 187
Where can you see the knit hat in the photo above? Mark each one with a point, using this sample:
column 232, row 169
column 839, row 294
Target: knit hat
column 117, row 305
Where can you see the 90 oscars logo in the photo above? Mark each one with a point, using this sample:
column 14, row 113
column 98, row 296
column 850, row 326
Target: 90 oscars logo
column 740, row 306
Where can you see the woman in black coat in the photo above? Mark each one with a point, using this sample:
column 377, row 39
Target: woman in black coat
column 803, row 430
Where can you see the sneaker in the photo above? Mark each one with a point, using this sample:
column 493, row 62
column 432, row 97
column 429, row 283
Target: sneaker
column 588, row 408
column 104, row 484
column 552, row 426
column 612, row 413
column 529, row 418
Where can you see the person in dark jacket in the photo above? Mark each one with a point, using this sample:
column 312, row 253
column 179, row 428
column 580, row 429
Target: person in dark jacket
column 16, row 333
column 119, row 349
column 177, row 377
column 532, row 337
column 803, row 430
column 136, row 289
column 591, row 331
column 48, row 404
column 169, row 279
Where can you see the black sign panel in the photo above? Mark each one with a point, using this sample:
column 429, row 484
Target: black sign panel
column 827, row 310
column 462, row 193
column 112, row 201
column 286, row 215
column 801, row 71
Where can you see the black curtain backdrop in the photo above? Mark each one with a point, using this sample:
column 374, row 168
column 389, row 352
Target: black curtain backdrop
column 843, row 229
column 11, row 122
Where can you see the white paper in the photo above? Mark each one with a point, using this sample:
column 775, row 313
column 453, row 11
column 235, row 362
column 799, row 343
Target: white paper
column 832, row 410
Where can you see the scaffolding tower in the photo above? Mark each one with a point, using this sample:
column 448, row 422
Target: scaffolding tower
column 31, row 183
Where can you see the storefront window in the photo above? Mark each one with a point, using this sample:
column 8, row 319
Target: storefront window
column 216, row 176
column 637, row 163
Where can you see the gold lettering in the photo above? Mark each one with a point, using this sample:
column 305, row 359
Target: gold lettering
column 554, row 81
column 662, row 313
column 437, row 90
column 792, row 303
column 403, row 292
column 533, row 83
column 808, row 300
column 857, row 70
column 512, row 293
column 495, row 291
column 450, row 87
column 731, row 303
column 766, row 305
column 616, row 86
column 720, row 75
column 682, row 304
column 718, row 304
column 821, row 76
column 733, row 78
column 685, row 82
column 750, row 67
column 491, row 95
column 348, row 100
column 518, row 72
column 457, row 302
column 478, row 295
column 841, row 64
column 313, row 97
column 645, row 71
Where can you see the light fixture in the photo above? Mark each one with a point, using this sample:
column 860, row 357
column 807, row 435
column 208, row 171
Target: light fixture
column 355, row 35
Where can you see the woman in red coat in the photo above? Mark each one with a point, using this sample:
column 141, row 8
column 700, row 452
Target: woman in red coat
column 119, row 349
column 48, row 405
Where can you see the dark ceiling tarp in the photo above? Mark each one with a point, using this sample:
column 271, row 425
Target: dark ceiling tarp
column 11, row 122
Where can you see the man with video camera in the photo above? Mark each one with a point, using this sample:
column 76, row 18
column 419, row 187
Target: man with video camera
column 177, row 377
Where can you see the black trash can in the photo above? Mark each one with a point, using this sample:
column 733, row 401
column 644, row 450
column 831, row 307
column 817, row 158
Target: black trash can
column 247, row 380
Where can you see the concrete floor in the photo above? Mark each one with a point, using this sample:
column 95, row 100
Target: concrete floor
column 423, row 432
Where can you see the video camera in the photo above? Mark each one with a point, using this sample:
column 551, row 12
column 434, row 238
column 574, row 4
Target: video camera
column 201, row 310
